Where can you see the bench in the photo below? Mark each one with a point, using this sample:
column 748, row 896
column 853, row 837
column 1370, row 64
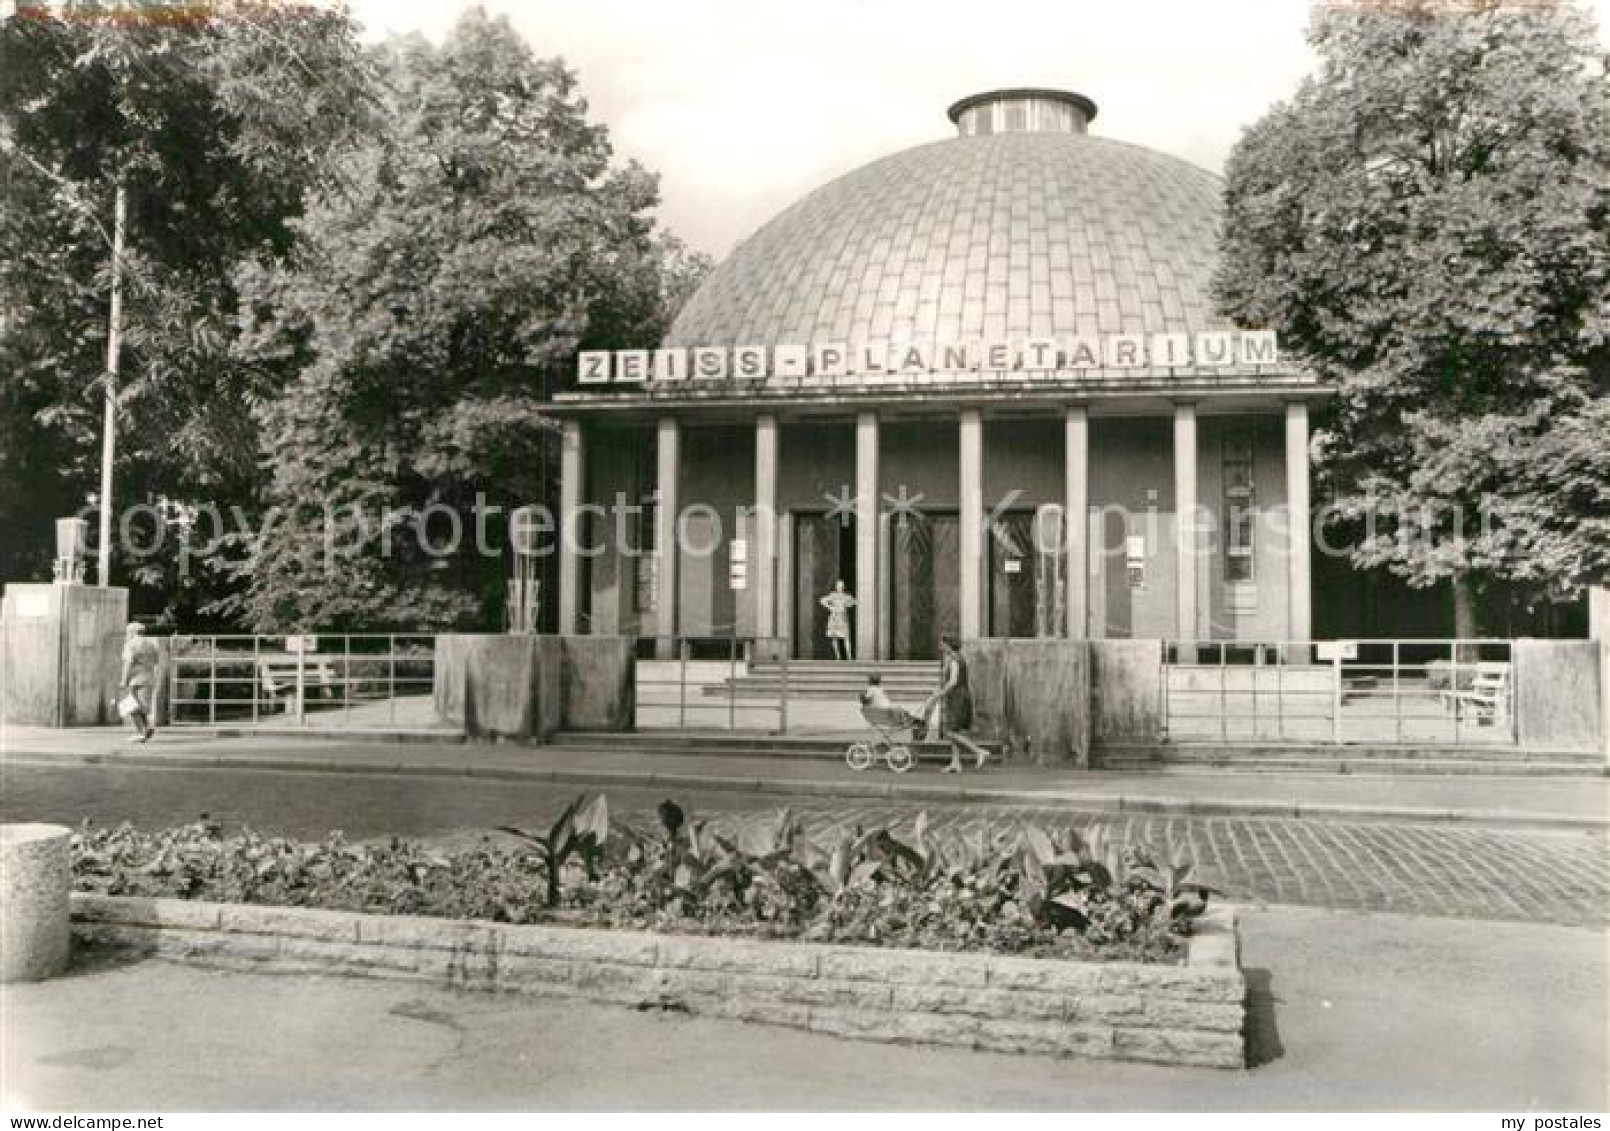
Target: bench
column 1487, row 697
column 277, row 674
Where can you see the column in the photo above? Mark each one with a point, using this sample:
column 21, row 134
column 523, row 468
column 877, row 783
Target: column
column 1076, row 521
column 866, row 536
column 571, row 462
column 1185, row 534
column 668, row 454
column 762, row 551
column 1299, row 580
column 971, row 482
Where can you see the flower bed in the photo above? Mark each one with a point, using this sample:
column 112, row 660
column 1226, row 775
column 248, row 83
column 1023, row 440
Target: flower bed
column 1023, row 891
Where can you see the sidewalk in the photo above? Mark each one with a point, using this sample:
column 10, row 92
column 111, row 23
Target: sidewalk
column 1346, row 1012
column 1565, row 803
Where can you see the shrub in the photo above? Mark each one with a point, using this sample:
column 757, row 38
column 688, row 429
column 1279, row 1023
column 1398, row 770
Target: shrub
column 1020, row 890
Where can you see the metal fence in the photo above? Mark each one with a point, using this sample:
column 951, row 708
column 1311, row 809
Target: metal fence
column 1395, row 692
column 738, row 683
column 352, row 681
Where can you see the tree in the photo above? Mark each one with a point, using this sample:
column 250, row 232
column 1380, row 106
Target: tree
column 418, row 323
column 218, row 118
column 1426, row 223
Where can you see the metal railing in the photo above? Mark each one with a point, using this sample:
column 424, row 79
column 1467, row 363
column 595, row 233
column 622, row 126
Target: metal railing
column 1393, row 692
column 342, row 680
column 737, row 683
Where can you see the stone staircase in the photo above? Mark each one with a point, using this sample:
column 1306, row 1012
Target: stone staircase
column 903, row 680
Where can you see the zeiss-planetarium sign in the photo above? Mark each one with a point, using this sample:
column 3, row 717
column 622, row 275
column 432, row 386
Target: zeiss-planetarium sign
column 983, row 361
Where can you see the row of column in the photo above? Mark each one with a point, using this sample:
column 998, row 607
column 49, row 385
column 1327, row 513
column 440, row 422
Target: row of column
column 971, row 521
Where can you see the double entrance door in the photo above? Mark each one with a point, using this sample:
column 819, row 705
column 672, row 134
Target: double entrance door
column 921, row 599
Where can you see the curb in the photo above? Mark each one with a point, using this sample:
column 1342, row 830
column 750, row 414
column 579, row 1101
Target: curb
column 631, row 779
column 420, row 737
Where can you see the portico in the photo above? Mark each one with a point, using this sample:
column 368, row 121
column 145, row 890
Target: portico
column 940, row 518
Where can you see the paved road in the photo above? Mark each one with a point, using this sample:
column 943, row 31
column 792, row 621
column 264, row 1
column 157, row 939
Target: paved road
column 1425, row 869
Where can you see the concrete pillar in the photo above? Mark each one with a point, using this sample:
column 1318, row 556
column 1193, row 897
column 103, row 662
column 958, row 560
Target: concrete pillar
column 1076, row 522
column 762, row 553
column 1185, row 532
column 34, row 913
column 867, row 589
column 1299, row 578
column 1599, row 629
column 970, row 569
column 667, row 448
column 572, row 459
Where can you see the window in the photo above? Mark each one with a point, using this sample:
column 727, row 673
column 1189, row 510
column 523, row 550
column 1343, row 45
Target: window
column 1240, row 509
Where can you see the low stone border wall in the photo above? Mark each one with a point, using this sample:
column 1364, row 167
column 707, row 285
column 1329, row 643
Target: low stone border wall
column 1188, row 1015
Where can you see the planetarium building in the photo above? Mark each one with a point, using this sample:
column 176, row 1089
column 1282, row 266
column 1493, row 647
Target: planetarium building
column 909, row 381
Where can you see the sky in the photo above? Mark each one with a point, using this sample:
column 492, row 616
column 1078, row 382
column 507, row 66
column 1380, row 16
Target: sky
column 743, row 107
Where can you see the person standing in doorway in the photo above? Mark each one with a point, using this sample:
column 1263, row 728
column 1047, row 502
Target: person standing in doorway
column 955, row 701
column 139, row 679
column 838, row 605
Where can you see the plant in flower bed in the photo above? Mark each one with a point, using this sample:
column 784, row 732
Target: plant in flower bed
column 1020, row 890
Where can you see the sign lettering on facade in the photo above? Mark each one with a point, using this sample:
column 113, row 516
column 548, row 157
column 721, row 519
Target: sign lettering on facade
column 993, row 360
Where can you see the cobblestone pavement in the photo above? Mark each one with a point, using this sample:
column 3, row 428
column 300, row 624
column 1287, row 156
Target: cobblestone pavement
column 1538, row 876
column 1425, row 869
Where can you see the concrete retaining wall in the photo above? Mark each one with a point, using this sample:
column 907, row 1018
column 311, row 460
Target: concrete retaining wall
column 531, row 687
column 599, row 683
column 1189, row 1015
column 1557, row 694
column 1126, row 690
column 1035, row 692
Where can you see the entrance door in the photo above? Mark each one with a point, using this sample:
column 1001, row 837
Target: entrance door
column 824, row 552
column 1026, row 585
column 924, row 584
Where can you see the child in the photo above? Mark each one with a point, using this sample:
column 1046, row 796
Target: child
column 874, row 695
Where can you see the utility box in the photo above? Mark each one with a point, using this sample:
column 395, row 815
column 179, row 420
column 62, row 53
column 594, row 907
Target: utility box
column 61, row 648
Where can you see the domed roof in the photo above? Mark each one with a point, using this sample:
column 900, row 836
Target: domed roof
column 995, row 235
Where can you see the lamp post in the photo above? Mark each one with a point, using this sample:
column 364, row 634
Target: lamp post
column 114, row 343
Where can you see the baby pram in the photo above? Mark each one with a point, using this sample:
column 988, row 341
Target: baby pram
column 892, row 743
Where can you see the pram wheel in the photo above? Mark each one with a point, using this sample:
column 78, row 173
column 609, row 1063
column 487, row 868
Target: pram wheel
column 899, row 757
column 858, row 756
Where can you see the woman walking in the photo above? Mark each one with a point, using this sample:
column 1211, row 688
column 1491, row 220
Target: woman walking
column 838, row 605
column 955, row 702
column 138, row 679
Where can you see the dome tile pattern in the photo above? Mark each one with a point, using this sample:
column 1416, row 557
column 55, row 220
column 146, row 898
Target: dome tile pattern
column 999, row 236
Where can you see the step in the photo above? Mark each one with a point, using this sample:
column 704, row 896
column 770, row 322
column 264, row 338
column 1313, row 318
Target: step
column 740, row 745
column 831, row 679
column 848, row 692
column 852, row 665
column 828, row 668
column 810, row 679
column 1364, row 768
column 1206, row 752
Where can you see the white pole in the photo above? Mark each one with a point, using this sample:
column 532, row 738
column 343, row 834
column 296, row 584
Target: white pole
column 114, row 343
